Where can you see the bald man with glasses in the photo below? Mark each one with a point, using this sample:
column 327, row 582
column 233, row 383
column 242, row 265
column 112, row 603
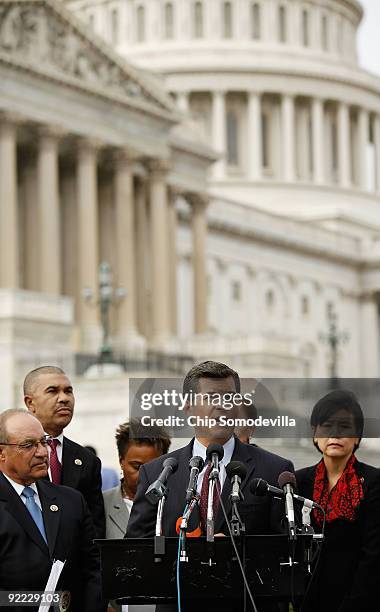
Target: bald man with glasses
column 41, row 522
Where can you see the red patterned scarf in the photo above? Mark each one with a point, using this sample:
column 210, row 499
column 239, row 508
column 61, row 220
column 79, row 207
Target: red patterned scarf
column 343, row 499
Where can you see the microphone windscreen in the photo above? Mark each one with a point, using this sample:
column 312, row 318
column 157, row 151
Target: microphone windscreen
column 236, row 468
column 286, row 478
column 215, row 448
column 196, row 462
column 172, row 463
column 258, row 486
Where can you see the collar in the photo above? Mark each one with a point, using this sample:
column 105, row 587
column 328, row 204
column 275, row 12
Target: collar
column 229, row 447
column 19, row 487
column 59, row 438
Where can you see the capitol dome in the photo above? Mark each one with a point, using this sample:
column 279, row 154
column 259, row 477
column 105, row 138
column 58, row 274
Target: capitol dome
column 274, row 85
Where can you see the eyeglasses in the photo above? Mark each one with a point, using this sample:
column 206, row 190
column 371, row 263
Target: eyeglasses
column 28, row 445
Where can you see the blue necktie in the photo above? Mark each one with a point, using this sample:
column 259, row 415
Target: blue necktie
column 34, row 510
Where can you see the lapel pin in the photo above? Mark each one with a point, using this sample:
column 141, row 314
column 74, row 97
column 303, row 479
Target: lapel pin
column 54, row 508
column 78, row 462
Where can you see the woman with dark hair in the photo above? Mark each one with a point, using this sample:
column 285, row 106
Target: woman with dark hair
column 347, row 573
column 136, row 445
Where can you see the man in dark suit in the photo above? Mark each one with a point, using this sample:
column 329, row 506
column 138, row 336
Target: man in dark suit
column 40, row 521
column 48, row 394
column 261, row 514
column 210, row 379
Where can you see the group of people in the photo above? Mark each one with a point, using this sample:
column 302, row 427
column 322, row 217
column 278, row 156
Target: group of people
column 52, row 507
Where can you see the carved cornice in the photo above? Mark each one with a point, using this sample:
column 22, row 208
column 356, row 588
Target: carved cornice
column 43, row 37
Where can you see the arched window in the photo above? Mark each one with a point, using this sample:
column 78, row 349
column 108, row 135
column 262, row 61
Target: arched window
column 91, row 20
column 270, row 301
column 198, row 19
column 114, row 26
column 255, row 21
column 227, row 20
column 236, row 291
column 232, row 138
column 305, row 306
column 325, row 33
column 305, row 28
column 282, row 24
column 140, row 23
column 169, row 21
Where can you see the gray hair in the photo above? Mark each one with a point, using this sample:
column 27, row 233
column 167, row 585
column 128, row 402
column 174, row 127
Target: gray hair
column 33, row 376
column 4, row 418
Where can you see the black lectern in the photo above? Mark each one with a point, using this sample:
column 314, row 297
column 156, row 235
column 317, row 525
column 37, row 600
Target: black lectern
column 132, row 571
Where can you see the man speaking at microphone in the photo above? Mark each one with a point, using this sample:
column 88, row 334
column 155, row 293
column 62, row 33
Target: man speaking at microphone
column 260, row 514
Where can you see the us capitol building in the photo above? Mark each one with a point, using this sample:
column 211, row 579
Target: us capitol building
column 223, row 157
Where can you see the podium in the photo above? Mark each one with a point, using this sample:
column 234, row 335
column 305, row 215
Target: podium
column 131, row 570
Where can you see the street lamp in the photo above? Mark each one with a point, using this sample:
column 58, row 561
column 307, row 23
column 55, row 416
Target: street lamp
column 333, row 339
column 108, row 296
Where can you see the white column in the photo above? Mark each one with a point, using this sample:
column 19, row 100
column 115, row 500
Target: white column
column 183, row 99
column 160, row 257
column 288, row 140
column 377, row 148
column 143, row 258
column 344, row 144
column 219, row 131
column 363, row 129
column 88, row 243
column 255, row 136
column 369, row 337
column 31, row 236
column 9, row 239
column 294, row 24
column 318, row 140
column 172, row 223
column 199, row 234
column 125, row 247
column 49, row 213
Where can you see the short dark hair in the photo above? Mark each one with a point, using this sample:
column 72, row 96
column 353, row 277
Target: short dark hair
column 331, row 403
column 33, row 375
column 134, row 432
column 208, row 369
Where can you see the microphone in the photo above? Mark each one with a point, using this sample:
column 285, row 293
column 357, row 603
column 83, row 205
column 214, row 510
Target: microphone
column 214, row 454
column 258, row 486
column 287, row 482
column 158, row 489
column 196, row 466
column 236, row 472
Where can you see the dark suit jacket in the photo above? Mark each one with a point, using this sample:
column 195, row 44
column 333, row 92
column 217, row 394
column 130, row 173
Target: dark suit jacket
column 25, row 559
column 84, row 476
column 348, row 572
column 260, row 514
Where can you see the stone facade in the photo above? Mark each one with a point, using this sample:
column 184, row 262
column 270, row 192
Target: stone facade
column 293, row 218
column 89, row 162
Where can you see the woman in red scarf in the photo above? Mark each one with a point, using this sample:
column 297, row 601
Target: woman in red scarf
column 348, row 572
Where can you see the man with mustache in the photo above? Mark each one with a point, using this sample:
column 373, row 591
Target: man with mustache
column 41, row 522
column 48, row 394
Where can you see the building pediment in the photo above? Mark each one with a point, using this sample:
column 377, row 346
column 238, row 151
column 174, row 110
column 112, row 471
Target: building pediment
column 43, row 36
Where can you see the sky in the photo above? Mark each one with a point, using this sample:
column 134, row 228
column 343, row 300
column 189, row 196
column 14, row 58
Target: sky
column 369, row 36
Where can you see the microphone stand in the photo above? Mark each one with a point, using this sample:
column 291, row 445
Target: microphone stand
column 237, row 526
column 184, row 525
column 159, row 538
column 214, row 474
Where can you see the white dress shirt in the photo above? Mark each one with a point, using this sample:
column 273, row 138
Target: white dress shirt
column 19, row 489
column 199, row 450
